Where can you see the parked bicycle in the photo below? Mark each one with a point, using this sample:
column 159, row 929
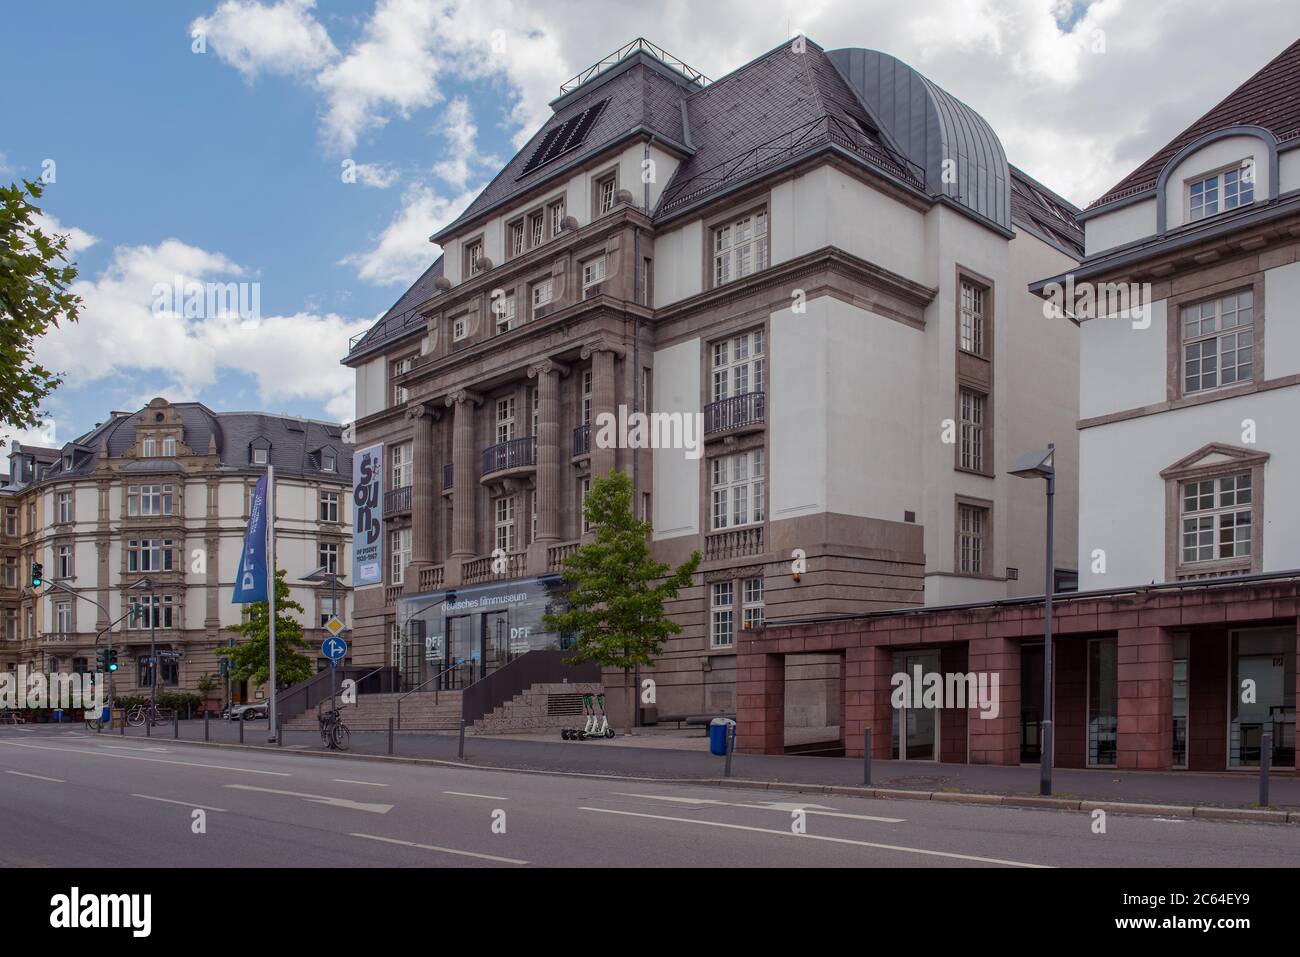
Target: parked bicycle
column 97, row 719
column 137, row 716
column 334, row 733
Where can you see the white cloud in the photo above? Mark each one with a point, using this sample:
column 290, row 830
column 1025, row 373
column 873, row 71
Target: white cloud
column 377, row 175
column 120, row 330
column 402, row 251
column 78, row 239
column 254, row 37
column 45, row 434
column 461, row 135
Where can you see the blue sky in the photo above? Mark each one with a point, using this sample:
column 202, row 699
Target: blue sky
column 225, row 165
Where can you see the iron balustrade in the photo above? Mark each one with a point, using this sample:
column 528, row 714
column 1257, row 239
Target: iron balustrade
column 397, row 501
column 514, row 454
column 735, row 412
column 582, row 439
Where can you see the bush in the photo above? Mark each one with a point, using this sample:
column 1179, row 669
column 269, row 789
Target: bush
column 183, row 703
column 129, row 701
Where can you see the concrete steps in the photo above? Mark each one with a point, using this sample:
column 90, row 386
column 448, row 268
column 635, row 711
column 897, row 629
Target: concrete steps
column 372, row 711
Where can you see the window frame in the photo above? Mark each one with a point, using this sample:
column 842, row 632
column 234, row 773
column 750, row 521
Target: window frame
column 1175, row 370
column 754, row 484
column 328, row 505
column 721, row 612
column 1229, row 461
column 752, row 367
column 470, row 262
column 603, row 182
column 979, row 459
column 760, row 242
column 504, row 530
column 981, row 323
column 1220, row 180
column 984, row 508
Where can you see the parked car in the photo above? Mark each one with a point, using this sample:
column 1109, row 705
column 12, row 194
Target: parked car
column 253, row 711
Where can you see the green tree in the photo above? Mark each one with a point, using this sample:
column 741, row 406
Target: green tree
column 250, row 659
column 35, row 276
column 616, row 607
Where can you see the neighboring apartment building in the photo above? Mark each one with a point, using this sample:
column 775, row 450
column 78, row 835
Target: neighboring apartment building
column 1180, row 652
column 823, row 255
column 163, row 494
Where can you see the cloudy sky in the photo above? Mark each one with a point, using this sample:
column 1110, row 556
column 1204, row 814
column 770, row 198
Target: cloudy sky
column 308, row 149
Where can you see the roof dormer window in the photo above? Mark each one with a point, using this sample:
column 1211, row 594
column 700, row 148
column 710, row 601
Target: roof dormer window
column 259, row 452
column 1222, row 191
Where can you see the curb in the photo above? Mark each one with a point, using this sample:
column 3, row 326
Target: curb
column 1235, row 815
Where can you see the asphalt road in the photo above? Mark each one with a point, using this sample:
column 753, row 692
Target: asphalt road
column 74, row 799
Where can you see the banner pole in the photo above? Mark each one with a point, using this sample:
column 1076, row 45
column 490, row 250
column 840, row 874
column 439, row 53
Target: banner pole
column 272, row 715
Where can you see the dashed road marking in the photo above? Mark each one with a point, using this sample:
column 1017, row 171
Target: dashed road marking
column 440, row 850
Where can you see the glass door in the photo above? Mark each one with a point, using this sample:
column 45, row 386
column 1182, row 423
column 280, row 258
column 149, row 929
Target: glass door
column 916, row 728
column 496, row 638
column 1263, row 696
column 1103, row 702
column 464, row 650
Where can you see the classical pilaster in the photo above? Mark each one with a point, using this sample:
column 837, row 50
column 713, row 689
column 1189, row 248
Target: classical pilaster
column 464, row 454
column 424, row 494
column 549, row 472
column 604, row 453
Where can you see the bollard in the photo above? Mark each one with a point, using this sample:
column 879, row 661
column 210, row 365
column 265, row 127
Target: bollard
column 390, row 735
column 1265, row 762
column 731, row 746
column 148, row 726
column 176, row 725
column 241, row 730
column 461, row 752
column 206, row 734
column 866, row 757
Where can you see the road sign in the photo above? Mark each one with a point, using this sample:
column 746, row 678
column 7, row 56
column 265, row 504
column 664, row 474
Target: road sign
column 335, row 625
column 171, row 654
column 334, row 649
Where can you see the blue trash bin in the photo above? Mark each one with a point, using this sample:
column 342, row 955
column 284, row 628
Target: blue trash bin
column 58, row 715
column 719, row 728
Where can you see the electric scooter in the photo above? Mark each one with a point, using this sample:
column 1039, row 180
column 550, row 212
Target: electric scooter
column 589, row 711
column 599, row 728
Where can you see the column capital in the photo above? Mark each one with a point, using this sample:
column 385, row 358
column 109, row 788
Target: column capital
column 546, row 367
column 461, row 396
column 601, row 345
column 420, row 410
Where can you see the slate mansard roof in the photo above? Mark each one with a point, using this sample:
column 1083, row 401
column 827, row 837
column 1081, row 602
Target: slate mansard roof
column 775, row 110
column 295, row 444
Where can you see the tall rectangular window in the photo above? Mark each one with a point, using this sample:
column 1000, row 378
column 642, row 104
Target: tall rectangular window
column 584, row 489
column 402, row 465
column 327, row 557
column 555, row 213
column 399, row 368
column 1217, row 518
column 505, row 420
column 1103, row 699
column 536, row 229
column 149, row 555
column 722, row 624
column 473, row 257
column 738, row 486
column 400, row 555
column 738, row 365
column 740, row 248
column 11, row 571
column 63, row 561
column 605, row 191
column 971, row 453
column 972, row 318
column 149, row 448
column 11, row 521
column 972, row 527
column 63, row 618
column 542, row 293
column 65, row 506
column 1218, row 341
column 584, row 409
column 162, row 608
column 505, row 523
column 329, row 506
column 169, row 447
column 516, row 240
column 504, row 310
column 752, row 595
column 593, row 274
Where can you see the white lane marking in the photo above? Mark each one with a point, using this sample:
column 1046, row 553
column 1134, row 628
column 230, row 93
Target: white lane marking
column 125, row 747
column 205, row 807
column 467, row 794
column 373, row 784
column 786, row 806
column 39, row 777
column 320, row 799
column 131, row 757
column 818, row 837
column 440, row 850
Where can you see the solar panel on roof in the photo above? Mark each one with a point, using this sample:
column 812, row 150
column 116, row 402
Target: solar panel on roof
column 567, row 136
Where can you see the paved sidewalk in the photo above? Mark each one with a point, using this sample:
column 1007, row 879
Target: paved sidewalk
column 658, row 759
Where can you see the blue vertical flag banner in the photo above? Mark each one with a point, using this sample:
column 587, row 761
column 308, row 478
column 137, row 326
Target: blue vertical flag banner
column 367, row 516
column 250, row 582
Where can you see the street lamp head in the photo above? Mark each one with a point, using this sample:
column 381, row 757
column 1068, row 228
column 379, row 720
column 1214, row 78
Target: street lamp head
column 144, row 584
column 1037, row 464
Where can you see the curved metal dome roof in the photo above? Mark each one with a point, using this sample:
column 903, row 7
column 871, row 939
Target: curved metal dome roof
column 929, row 125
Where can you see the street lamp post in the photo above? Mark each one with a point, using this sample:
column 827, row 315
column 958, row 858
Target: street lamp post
column 1040, row 464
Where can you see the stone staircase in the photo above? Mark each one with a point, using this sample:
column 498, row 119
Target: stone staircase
column 543, row 706
column 420, row 712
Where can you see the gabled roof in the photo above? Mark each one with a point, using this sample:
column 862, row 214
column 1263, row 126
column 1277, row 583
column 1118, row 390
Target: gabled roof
column 1042, row 212
column 1269, row 99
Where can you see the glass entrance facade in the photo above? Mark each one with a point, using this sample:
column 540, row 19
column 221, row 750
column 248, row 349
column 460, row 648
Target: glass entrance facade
column 451, row 642
column 1262, row 695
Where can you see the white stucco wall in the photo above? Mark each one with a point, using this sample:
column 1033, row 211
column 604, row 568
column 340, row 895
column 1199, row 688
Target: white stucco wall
column 1122, row 367
column 1229, row 151
column 1282, row 321
column 1123, row 225
column 372, row 386
column 679, row 264
column 676, row 388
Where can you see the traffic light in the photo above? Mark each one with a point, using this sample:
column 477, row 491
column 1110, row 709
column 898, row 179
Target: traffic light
column 112, row 661
column 38, row 575
column 101, row 659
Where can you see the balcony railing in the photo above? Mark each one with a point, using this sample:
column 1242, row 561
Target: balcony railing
column 392, row 593
column 582, row 439
column 431, row 578
column 736, row 412
column 448, row 475
column 734, row 543
column 515, row 454
column 556, row 554
column 397, row 501
column 513, row 565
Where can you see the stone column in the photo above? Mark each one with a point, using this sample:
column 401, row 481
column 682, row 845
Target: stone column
column 1145, row 736
column 424, row 494
column 864, row 678
column 995, row 740
column 549, row 451
column 464, row 455
column 603, row 400
column 760, row 703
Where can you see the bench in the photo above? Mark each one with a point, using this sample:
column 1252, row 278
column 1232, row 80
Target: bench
column 690, row 720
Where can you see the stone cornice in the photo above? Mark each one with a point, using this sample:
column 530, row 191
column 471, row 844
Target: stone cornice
column 546, row 367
